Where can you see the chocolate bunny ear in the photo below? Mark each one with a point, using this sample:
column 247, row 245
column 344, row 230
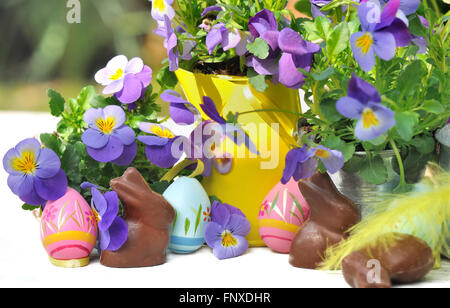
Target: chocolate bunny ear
column 332, row 215
column 148, row 216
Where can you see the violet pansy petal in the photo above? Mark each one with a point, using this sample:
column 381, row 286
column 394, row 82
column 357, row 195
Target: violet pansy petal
column 237, row 250
column 116, row 63
column 125, row 134
column 263, row 21
column 289, row 74
column 104, row 239
column 292, row 42
column 384, row 45
column 213, row 233
column 103, row 77
column 145, row 76
column 181, row 114
column 368, row 130
column 220, row 213
column 363, row 91
column 388, row 14
column 350, row 107
column 401, row 33
column 113, row 87
column 90, row 116
column 116, row 113
column 94, row 138
column 369, row 16
column 131, row 91
column 215, row 37
column 161, row 156
column 21, row 184
column 29, row 145
column 110, row 152
column 409, row 6
column 32, row 198
column 8, row 160
column 210, row 9
column 171, row 96
column 306, row 169
column 112, row 209
column 98, row 201
column 223, row 165
column 51, row 188
column 210, row 109
column 231, row 39
column 128, row 155
column 364, row 57
column 265, row 67
column 134, row 66
column 421, row 43
column 238, row 225
column 271, row 37
column 118, row 233
column 332, row 159
column 153, row 140
column 290, row 166
column 48, row 164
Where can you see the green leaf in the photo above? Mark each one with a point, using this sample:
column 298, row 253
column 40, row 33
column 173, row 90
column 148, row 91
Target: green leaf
column 214, row 198
column 166, row 78
column 424, row 144
column 257, row 81
column 160, row 187
column 259, row 48
column 198, row 218
column 70, row 162
column 187, row 225
column 405, row 122
column 304, row 7
column 85, row 98
column 28, row 207
column 335, row 143
column 57, row 103
column 416, row 27
column 334, row 4
column 323, row 27
column 329, row 111
column 433, row 106
column 355, row 164
column 374, row 171
column 51, row 142
column 411, row 77
column 338, row 40
column 323, row 75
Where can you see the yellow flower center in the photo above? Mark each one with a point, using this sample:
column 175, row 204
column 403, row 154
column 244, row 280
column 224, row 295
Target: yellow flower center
column 26, row 164
column 228, row 239
column 97, row 216
column 369, row 118
column 161, row 132
column 364, row 42
column 159, row 5
column 117, row 75
column 106, row 126
column 322, row 153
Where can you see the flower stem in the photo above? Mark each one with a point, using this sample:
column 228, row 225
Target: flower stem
column 400, row 163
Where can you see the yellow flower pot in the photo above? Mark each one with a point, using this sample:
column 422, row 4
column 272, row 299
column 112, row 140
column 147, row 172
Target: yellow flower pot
column 248, row 182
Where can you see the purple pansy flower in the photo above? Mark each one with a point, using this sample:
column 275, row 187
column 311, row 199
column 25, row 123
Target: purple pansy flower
column 382, row 33
column 233, row 131
column 302, row 163
column 159, row 146
column 287, row 51
column 228, row 38
column 421, row 42
column 363, row 104
column 203, row 146
column 35, row 173
column 226, row 233
column 161, row 8
column 181, row 111
column 406, row 8
column 317, row 5
column 108, row 139
column 211, row 9
column 113, row 230
column 127, row 80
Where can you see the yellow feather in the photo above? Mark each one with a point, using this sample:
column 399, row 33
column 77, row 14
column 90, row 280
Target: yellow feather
column 425, row 214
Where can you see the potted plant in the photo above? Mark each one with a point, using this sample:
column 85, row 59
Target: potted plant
column 377, row 92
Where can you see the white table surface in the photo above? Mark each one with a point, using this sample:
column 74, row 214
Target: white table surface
column 24, row 262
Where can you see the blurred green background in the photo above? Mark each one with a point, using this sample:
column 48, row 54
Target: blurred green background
column 41, row 50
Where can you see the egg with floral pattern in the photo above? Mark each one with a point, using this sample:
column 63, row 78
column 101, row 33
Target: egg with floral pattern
column 192, row 211
column 68, row 230
column 282, row 213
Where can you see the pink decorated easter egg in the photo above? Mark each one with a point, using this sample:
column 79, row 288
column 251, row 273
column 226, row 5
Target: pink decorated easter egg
column 282, row 213
column 68, row 230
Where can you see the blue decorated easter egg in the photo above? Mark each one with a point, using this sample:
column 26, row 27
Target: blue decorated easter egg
column 192, row 211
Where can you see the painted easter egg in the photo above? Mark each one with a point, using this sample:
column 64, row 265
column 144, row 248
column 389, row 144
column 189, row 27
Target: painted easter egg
column 192, row 212
column 68, row 230
column 281, row 215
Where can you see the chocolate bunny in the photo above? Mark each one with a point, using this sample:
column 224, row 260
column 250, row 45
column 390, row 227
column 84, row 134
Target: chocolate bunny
column 332, row 214
column 148, row 216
